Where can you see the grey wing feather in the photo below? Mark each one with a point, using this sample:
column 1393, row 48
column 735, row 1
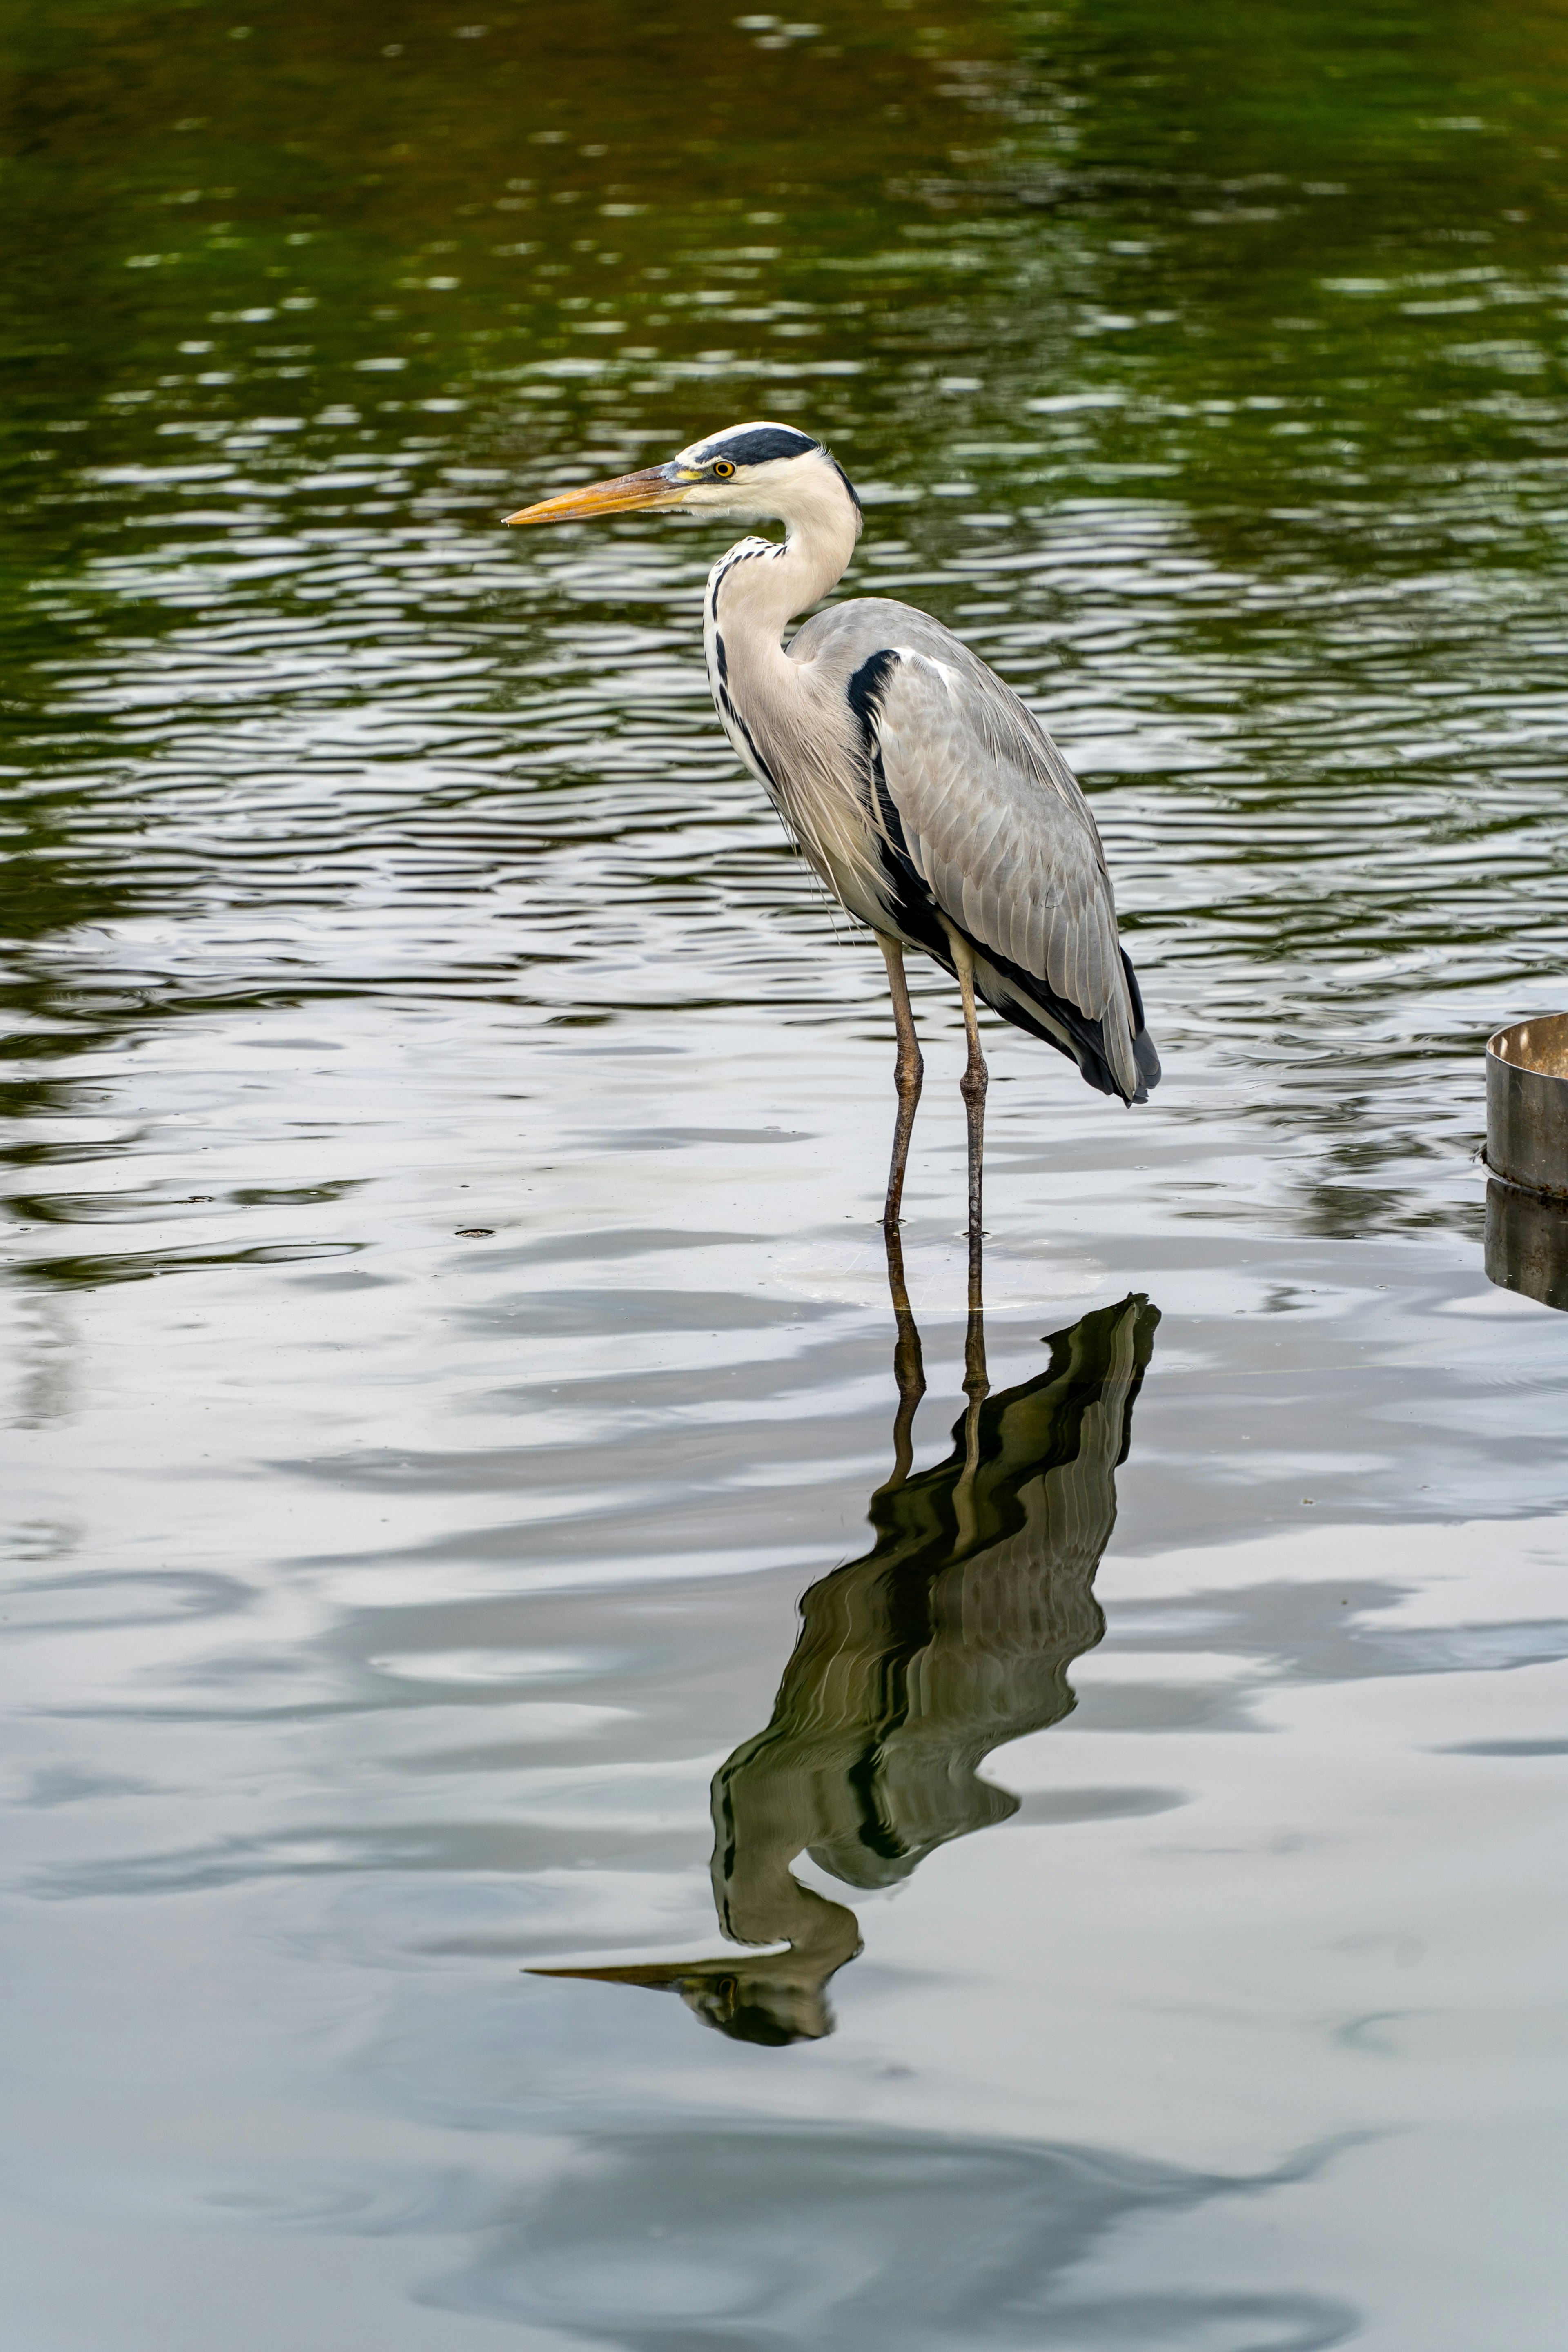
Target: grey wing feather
column 993, row 817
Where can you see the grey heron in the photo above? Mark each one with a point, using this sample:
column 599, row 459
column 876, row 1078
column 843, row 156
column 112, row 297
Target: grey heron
column 921, row 789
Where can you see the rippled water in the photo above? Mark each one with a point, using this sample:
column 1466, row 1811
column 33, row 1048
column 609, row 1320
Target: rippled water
column 452, row 1363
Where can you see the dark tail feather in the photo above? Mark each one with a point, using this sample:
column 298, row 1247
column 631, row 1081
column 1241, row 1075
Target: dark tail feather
column 1143, row 1053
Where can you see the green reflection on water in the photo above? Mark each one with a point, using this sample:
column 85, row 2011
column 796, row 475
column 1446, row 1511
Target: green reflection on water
column 295, row 306
column 1149, row 198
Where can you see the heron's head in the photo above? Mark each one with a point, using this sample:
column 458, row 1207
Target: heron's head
column 756, row 472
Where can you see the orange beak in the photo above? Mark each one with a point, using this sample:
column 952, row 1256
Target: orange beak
column 651, row 487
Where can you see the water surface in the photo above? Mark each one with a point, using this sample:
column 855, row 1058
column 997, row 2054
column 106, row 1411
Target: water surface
column 549, row 1800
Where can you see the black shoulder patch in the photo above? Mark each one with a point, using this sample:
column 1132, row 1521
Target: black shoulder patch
column 761, row 446
column 865, row 690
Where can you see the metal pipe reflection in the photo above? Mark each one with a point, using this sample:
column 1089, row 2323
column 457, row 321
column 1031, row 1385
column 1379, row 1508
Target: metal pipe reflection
column 1527, row 1244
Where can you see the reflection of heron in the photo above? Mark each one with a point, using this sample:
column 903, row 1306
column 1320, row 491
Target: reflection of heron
column 952, row 1635
column 924, row 792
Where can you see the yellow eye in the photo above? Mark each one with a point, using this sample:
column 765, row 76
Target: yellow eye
column 723, row 468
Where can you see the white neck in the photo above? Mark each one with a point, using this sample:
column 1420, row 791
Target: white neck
column 759, row 585
column 776, row 711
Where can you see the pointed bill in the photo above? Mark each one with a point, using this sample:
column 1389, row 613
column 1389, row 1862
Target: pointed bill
column 651, row 487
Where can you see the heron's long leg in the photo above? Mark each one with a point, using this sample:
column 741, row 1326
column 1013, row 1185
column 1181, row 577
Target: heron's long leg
column 971, row 1087
column 908, row 1075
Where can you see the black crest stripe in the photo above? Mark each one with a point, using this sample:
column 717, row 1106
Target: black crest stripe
column 760, row 446
column 854, row 493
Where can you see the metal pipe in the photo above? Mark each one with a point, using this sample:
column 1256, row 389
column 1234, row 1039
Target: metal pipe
column 1527, row 1104
column 1527, row 1152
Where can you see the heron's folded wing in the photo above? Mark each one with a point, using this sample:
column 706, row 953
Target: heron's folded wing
column 995, row 824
